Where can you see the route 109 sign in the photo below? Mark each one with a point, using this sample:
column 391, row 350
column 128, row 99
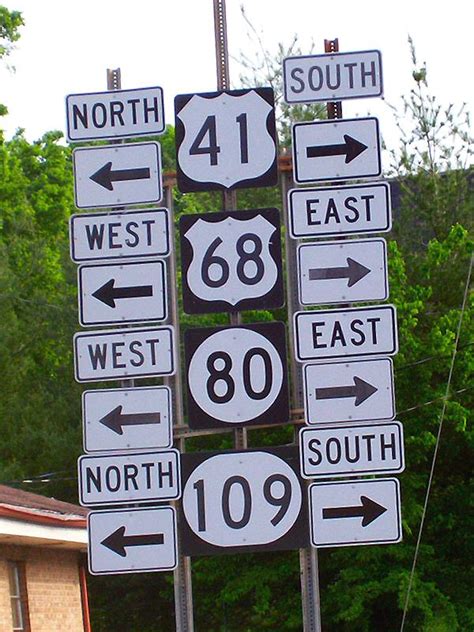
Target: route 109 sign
column 237, row 376
column 226, row 140
column 231, row 261
column 243, row 501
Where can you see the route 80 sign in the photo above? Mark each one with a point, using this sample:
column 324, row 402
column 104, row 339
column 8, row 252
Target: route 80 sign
column 237, row 376
column 231, row 261
column 226, row 140
column 243, row 501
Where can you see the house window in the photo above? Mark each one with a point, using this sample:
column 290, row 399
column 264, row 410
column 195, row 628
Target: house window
column 18, row 596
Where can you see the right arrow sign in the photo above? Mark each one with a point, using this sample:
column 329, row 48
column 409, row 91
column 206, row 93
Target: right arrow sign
column 342, row 272
column 355, row 512
column 336, row 150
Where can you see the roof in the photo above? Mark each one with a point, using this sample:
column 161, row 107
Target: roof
column 27, row 518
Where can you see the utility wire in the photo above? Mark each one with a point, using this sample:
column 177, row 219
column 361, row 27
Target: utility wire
column 435, row 454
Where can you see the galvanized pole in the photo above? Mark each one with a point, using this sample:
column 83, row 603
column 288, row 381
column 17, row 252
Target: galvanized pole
column 229, row 197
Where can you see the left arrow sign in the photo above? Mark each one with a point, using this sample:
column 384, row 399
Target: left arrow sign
column 118, row 541
column 116, row 420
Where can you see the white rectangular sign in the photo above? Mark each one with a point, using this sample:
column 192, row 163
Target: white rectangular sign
column 119, row 235
column 336, row 150
column 120, row 479
column 342, row 210
column 124, row 292
column 117, row 354
column 353, row 390
column 342, row 271
column 346, row 333
column 115, row 114
column 132, row 540
column 117, row 175
column 332, row 77
column 351, row 450
column 355, row 512
column 123, row 419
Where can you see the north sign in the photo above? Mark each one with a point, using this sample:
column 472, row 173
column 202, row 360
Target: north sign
column 115, row 114
column 124, row 292
column 226, row 140
column 354, row 390
column 119, row 235
column 231, row 261
column 332, row 77
column 342, row 210
column 346, row 333
column 132, row 540
column 117, row 354
column 355, row 512
column 243, row 501
column 117, row 175
column 123, row 419
column 236, row 375
column 336, row 150
column 342, row 271
column 120, row 479
column 342, row 450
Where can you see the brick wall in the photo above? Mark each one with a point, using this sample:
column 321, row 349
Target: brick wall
column 54, row 593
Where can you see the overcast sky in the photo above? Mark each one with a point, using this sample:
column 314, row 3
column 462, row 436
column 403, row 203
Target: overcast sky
column 67, row 46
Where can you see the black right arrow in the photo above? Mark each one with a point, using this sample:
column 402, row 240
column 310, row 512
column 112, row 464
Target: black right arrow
column 368, row 510
column 117, row 541
column 105, row 176
column 108, row 293
column 353, row 272
column 361, row 390
column 116, row 420
column 351, row 148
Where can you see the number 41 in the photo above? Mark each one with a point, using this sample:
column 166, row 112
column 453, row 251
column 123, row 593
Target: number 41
column 212, row 148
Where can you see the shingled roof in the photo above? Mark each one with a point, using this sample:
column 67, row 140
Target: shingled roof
column 17, row 497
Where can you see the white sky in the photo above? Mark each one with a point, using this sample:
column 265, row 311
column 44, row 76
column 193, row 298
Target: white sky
column 66, row 47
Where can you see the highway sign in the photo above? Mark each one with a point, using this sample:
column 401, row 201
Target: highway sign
column 124, row 292
column 336, row 150
column 243, row 501
column 226, row 139
column 355, row 512
column 117, row 175
column 354, row 390
column 115, row 114
column 132, row 540
column 342, row 271
column 236, row 375
column 342, row 210
column 117, row 354
column 119, row 235
column 333, row 77
column 119, row 479
column 345, row 333
column 231, row 261
column 351, row 450
column 122, row 419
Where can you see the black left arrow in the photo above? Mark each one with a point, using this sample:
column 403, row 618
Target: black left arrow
column 108, row 293
column 116, row 420
column 118, row 541
column 350, row 148
column 368, row 510
column 105, row 176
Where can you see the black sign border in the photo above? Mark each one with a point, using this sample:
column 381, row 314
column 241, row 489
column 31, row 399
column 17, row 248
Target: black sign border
column 273, row 299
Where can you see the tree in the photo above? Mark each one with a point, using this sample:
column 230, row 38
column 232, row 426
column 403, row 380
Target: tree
column 10, row 23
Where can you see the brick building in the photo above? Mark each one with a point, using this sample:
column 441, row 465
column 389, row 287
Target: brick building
column 42, row 564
